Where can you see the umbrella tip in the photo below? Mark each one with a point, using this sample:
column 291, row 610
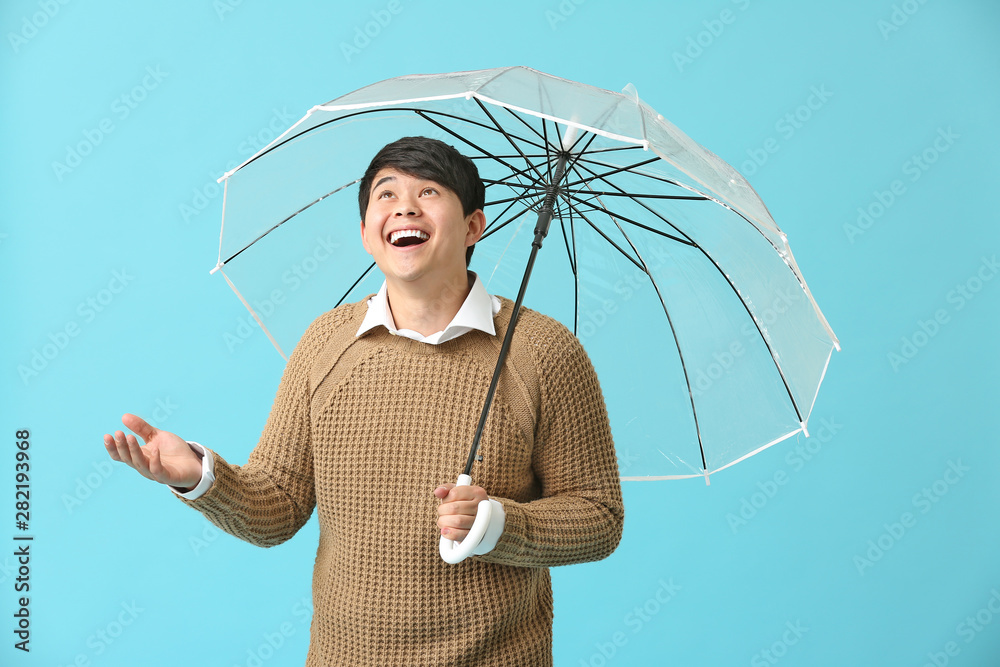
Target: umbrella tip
column 708, row 482
column 569, row 136
column 804, row 429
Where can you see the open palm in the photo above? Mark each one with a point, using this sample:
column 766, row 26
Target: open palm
column 165, row 457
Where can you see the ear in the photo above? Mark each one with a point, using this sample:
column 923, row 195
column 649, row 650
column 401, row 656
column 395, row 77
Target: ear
column 476, row 222
column 364, row 241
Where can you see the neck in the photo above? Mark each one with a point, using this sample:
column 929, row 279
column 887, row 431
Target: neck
column 427, row 310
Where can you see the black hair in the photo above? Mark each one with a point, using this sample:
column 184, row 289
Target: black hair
column 433, row 160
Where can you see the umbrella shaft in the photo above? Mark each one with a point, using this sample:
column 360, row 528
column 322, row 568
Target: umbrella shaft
column 504, row 349
column 546, row 211
column 541, row 230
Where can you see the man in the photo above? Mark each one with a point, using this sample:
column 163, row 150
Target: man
column 373, row 417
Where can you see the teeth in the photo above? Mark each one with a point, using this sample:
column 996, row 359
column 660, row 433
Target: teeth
column 407, row 233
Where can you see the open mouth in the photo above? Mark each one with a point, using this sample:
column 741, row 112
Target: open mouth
column 407, row 237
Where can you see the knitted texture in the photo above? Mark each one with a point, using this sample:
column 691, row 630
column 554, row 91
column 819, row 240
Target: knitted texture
column 364, row 429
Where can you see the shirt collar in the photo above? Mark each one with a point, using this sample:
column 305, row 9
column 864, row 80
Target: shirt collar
column 477, row 313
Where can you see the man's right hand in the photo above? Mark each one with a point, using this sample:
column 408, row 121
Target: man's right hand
column 165, row 457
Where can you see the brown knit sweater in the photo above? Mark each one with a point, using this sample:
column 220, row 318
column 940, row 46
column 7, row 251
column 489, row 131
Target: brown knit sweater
column 365, row 428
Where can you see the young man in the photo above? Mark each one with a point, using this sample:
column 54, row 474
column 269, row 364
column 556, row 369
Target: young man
column 373, row 418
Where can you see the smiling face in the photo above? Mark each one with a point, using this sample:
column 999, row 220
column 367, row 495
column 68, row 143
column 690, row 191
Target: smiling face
column 415, row 230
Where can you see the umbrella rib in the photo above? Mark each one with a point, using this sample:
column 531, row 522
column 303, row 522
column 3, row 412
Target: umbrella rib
column 504, row 201
column 420, row 112
column 616, row 170
column 309, row 205
column 576, row 276
column 677, row 343
column 652, row 177
column 710, row 198
column 505, row 223
column 490, row 228
column 360, row 278
column 533, row 185
column 507, row 136
column 686, row 240
column 602, row 209
column 611, row 149
column 569, row 254
column 581, row 152
column 607, row 238
column 647, row 196
column 725, row 276
column 482, row 150
column 507, row 157
column 524, row 186
column 525, row 123
column 516, row 172
column 642, row 204
column 680, row 354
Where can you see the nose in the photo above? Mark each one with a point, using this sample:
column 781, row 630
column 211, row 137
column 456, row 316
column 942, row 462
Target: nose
column 406, row 206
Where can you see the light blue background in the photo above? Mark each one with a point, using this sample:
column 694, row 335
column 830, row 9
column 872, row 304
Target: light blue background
column 110, row 547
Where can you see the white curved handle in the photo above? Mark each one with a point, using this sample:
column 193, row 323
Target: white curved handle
column 455, row 552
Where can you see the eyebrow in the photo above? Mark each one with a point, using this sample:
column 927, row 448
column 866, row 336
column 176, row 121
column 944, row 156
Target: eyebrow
column 383, row 180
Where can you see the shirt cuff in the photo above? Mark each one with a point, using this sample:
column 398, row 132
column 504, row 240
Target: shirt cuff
column 493, row 532
column 207, row 474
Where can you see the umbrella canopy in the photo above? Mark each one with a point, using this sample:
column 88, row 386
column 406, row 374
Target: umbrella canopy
column 662, row 258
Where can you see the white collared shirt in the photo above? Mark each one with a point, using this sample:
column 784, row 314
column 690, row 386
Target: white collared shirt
column 477, row 312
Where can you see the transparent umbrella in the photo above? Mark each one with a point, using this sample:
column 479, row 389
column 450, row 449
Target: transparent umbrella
column 660, row 256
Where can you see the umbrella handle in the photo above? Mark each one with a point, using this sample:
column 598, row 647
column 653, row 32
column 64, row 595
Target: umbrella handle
column 455, row 552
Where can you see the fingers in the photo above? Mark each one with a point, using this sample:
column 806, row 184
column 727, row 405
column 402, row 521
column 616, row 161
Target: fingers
column 456, row 526
column 139, row 426
column 451, row 493
column 155, row 465
column 458, row 507
column 126, row 449
column 457, row 511
column 139, row 461
column 109, row 444
column 121, row 448
column 442, row 491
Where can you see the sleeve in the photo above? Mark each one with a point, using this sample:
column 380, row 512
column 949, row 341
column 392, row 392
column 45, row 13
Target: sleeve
column 207, row 473
column 580, row 514
column 267, row 500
